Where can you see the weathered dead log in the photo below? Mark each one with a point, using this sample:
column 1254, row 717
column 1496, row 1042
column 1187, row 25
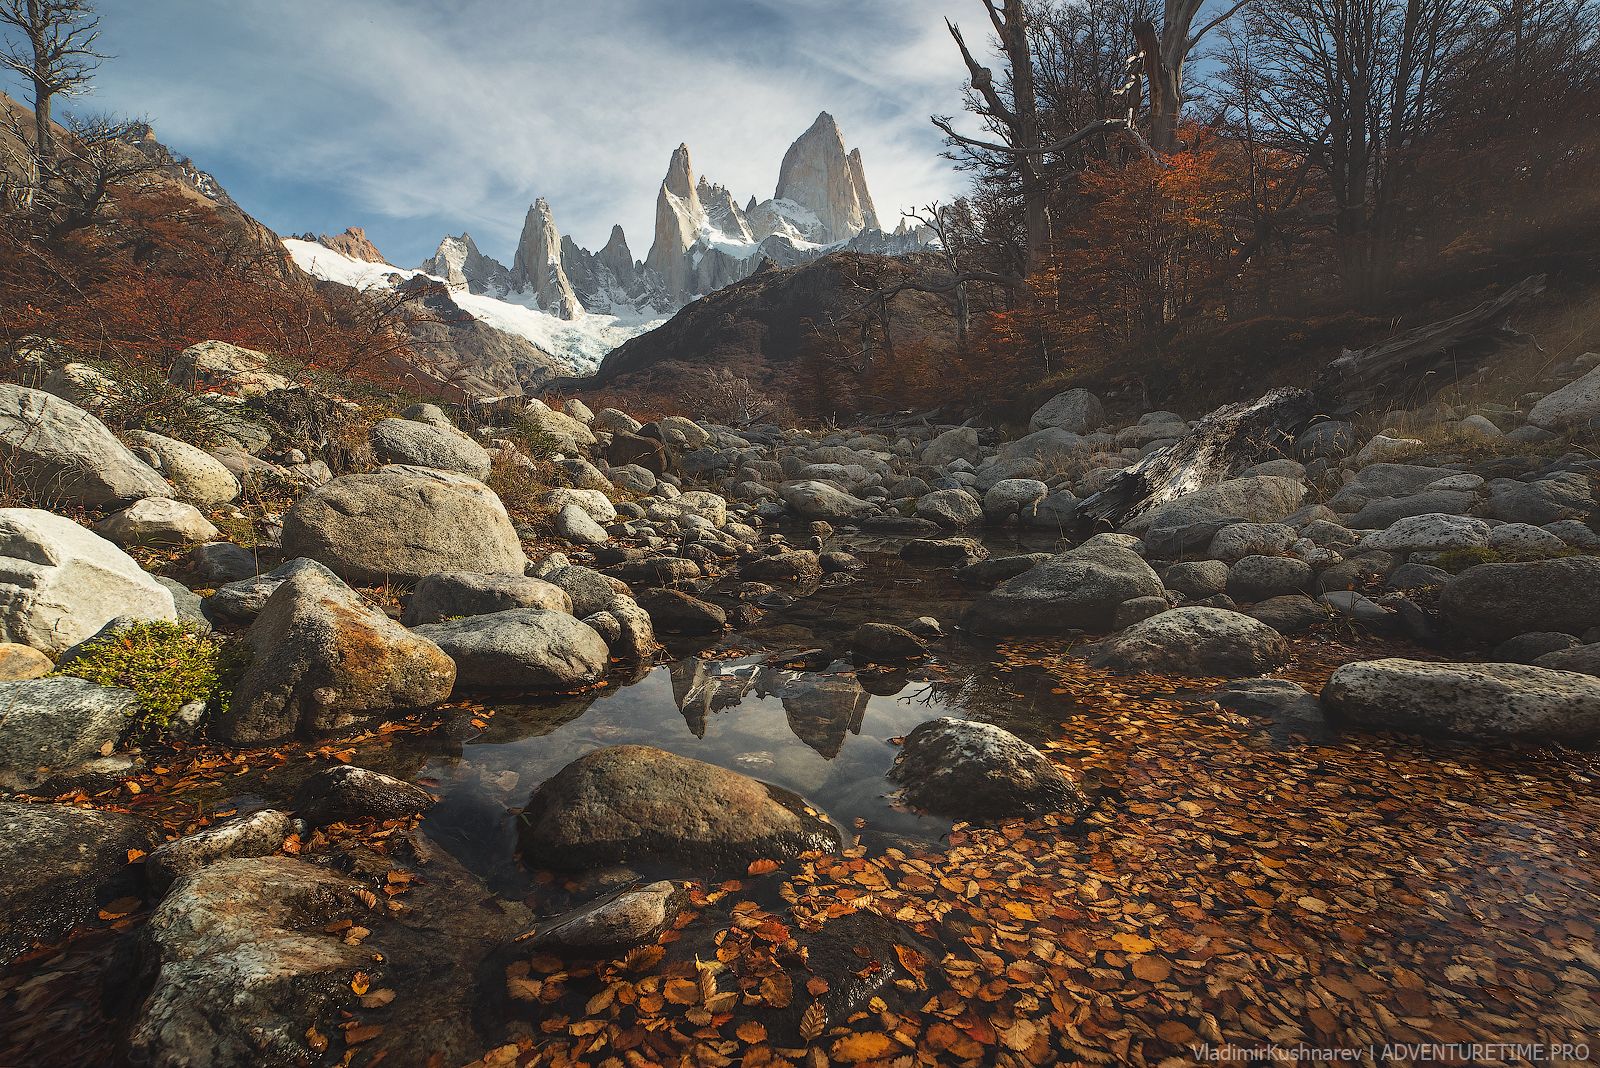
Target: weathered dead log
column 1360, row 377
column 1228, row 439
column 1238, row 435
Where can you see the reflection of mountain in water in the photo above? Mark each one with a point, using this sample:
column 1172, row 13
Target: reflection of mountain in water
column 702, row 689
column 821, row 708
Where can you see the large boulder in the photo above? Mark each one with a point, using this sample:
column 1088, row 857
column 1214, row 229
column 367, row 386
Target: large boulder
column 1482, row 701
column 403, row 524
column 323, row 660
column 521, row 649
column 229, row 369
column 1196, row 641
column 1076, row 410
column 572, row 435
column 1052, row 445
column 450, row 594
column 1567, row 495
column 1018, row 497
column 1575, row 404
column 194, row 474
column 238, row 960
column 60, row 453
column 631, row 804
column 960, row 443
column 60, row 583
column 1258, row 499
column 951, row 508
column 345, row 792
column 822, row 500
column 406, row 441
column 1431, row 531
column 158, row 521
column 977, row 771
column 677, row 612
column 57, row 865
column 1494, row 602
column 1077, row 590
column 48, row 727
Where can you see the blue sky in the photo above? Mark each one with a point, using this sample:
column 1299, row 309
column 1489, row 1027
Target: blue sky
column 417, row 118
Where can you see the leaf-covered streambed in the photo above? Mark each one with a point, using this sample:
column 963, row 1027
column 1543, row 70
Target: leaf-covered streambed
column 1246, row 882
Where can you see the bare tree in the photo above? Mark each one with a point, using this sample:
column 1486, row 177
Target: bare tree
column 50, row 45
column 940, row 218
column 1163, row 51
column 74, row 185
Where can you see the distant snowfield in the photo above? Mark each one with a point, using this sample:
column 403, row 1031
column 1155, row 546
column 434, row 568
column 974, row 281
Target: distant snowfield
column 581, row 343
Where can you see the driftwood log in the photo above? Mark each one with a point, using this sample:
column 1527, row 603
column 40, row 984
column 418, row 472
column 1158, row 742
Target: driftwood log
column 1239, row 435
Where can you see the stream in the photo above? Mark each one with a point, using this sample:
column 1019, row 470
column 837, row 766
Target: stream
column 1245, row 881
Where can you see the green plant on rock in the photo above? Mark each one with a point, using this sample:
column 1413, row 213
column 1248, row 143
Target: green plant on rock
column 167, row 665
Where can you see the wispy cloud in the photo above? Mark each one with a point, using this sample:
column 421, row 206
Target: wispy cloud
column 417, row 117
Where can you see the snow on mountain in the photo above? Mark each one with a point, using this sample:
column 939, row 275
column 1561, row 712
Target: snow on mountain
column 581, row 343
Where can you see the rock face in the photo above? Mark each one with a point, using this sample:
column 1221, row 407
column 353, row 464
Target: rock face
column 978, row 771
column 1482, row 701
column 60, row 583
column 1498, row 601
column 1196, row 641
column 1077, row 590
column 59, row 452
column 57, row 863
column 678, row 216
column 403, row 524
column 521, row 649
column 462, row 266
column 537, row 264
column 353, row 243
column 406, row 441
column 633, row 804
column 323, row 660
column 236, row 964
column 49, row 726
column 818, row 175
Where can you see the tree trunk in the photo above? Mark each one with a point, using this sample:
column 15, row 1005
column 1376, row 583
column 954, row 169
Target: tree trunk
column 1018, row 47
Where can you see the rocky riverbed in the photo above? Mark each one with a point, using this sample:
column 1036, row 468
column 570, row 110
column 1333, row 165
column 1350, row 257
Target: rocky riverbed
column 774, row 746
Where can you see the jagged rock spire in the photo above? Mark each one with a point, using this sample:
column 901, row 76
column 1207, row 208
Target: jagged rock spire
column 537, row 265
column 819, row 176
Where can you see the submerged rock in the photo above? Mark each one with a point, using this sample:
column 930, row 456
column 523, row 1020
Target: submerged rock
column 633, row 804
column 346, row 792
column 632, row 916
column 977, row 771
column 1481, row 701
column 57, row 865
column 235, row 964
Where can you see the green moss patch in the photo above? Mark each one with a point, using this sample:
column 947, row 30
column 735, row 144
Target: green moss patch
column 167, row 665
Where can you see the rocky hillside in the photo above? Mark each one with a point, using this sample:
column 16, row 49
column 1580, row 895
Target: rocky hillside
column 788, row 331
